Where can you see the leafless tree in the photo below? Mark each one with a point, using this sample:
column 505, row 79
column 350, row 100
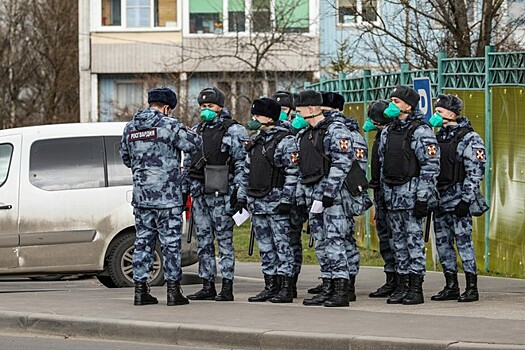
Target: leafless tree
column 415, row 31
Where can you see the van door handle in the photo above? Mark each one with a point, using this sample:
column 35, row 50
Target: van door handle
column 6, row 206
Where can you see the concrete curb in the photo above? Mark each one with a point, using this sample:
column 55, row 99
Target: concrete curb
column 218, row 337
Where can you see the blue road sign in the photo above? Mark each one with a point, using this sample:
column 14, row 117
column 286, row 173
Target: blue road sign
column 422, row 86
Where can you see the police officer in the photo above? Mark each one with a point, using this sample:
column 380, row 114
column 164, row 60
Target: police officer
column 377, row 121
column 333, row 105
column 462, row 170
column 326, row 161
column 272, row 170
column 409, row 157
column 216, row 171
column 151, row 146
column 298, row 215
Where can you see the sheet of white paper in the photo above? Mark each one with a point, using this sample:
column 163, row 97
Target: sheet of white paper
column 317, row 207
column 241, row 217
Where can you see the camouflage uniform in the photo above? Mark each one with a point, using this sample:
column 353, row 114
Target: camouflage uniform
column 272, row 230
column 447, row 225
column 151, row 146
column 212, row 214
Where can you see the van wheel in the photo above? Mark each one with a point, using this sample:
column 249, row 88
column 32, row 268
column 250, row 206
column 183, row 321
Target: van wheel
column 120, row 263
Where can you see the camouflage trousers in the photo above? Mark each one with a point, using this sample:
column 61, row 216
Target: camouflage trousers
column 210, row 221
column 352, row 253
column 386, row 245
column 296, row 229
column 449, row 228
column 167, row 225
column 272, row 233
column 409, row 244
column 329, row 229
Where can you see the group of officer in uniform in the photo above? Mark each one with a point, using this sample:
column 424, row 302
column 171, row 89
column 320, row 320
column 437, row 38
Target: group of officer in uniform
column 305, row 163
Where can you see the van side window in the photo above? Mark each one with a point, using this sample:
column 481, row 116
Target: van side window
column 6, row 151
column 68, row 163
column 118, row 173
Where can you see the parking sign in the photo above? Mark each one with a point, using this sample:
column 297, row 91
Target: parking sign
column 422, row 86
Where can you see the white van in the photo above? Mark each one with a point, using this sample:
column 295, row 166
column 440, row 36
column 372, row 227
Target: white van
column 65, row 204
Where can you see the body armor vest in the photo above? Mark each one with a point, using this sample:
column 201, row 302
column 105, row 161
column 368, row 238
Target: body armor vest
column 452, row 171
column 375, row 164
column 211, row 149
column 316, row 164
column 264, row 176
column 400, row 161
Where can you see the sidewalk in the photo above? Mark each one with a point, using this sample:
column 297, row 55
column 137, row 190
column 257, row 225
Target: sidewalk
column 86, row 309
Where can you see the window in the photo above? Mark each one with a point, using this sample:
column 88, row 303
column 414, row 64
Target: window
column 357, row 11
column 6, row 151
column 128, row 98
column 233, row 16
column 139, row 13
column 118, row 173
column 66, row 164
column 206, row 16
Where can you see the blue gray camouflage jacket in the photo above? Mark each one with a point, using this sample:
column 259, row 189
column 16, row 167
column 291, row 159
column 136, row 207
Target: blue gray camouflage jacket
column 470, row 150
column 151, row 146
column 233, row 142
column 336, row 145
column 419, row 188
column 286, row 156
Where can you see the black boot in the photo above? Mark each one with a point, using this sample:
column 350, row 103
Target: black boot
column 142, row 296
column 271, row 288
column 326, row 293
column 386, row 289
column 207, row 292
column 175, row 296
column 285, row 295
column 351, row 289
column 340, row 296
column 415, row 294
column 226, row 293
column 471, row 292
column 294, row 285
column 403, row 285
column 451, row 290
column 316, row 290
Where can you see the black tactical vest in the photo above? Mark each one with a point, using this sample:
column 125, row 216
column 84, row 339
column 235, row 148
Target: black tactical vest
column 375, row 164
column 452, row 170
column 400, row 161
column 211, row 148
column 263, row 174
column 314, row 164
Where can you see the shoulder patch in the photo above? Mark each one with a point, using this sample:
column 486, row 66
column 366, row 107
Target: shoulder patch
column 294, row 157
column 359, row 153
column 480, row 154
column 432, row 150
column 343, row 144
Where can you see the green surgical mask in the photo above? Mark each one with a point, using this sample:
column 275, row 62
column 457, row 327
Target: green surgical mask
column 436, row 120
column 369, row 126
column 254, row 124
column 298, row 122
column 392, row 111
column 283, row 116
column 208, row 114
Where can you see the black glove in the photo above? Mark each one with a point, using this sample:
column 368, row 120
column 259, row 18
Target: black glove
column 233, row 197
column 421, row 209
column 239, row 206
column 283, row 208
column 184, row 200
column 462, row 209
column 327, row 202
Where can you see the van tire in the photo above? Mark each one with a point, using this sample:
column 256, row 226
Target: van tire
column 119, row 262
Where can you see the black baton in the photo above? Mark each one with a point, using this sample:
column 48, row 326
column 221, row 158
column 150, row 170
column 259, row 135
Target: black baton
column 252, row 240
column 309, row 232
column 427, row 226
column 190, row 227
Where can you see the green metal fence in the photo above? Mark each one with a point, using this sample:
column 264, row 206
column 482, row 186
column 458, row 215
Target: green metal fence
column 493, row 91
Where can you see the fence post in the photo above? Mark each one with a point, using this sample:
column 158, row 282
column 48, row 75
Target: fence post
column 403, row 79
column 366, row 87
column 340, row 78
column 488, row 147
column 441, row 78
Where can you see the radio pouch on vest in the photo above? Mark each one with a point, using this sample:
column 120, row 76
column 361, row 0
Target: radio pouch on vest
column 216, row 179
column 356, row 181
